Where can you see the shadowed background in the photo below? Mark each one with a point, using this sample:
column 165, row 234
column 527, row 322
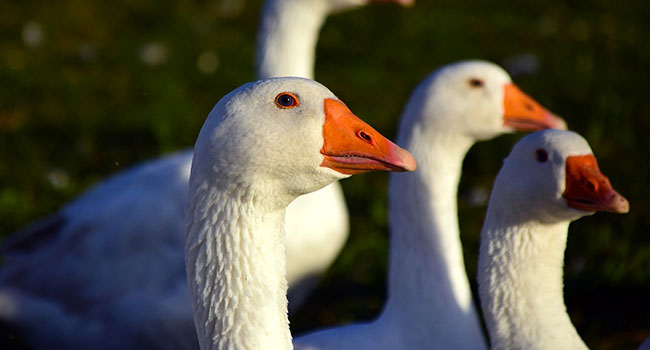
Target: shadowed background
column 89, row 88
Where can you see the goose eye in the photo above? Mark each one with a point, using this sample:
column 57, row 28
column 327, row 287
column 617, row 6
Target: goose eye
column 541, row 155
column 476, row 82
column 287, row 100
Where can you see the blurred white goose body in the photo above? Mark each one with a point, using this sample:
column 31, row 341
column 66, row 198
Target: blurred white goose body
column 107, row 269
column 263, row 145
column 549, row 179
column 429, row 302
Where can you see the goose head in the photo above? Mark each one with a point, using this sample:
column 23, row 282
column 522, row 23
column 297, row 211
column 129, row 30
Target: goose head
column 476, row 99
column 287, row 137
column 553, row 175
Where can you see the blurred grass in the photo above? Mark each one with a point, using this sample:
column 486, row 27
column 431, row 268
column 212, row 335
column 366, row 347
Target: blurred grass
column 89, row 88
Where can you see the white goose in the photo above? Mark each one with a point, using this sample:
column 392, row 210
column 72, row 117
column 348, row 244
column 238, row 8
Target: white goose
column 429, row 302
column 108, row 267
column 286, row 46
column 549, row 179
column 263, row 145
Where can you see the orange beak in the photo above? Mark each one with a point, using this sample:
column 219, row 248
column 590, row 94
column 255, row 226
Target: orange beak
column 352, row 147
column 523, row 113
column 588, row 189
column 400, row 2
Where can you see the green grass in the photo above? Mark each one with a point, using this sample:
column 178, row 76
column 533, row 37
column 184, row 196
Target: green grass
column 81, row 104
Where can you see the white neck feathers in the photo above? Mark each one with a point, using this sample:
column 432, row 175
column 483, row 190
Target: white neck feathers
column 520, row 283
column 286, row 43
column 235, row 260
column 427, row 277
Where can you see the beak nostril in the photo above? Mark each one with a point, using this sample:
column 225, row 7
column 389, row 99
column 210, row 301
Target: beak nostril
column 365, row 136
column 529, row 106
column 592, row 185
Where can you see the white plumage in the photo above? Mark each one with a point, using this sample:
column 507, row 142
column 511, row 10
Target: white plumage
column 107, row 269
column 252, row 158
column 429, row 302
column 549, row 179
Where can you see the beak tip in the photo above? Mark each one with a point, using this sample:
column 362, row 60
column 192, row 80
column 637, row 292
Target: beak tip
column 407, row 161
column 560, row 124
column 621, row 205
column 555, row 121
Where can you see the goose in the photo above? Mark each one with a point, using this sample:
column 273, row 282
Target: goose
column 108, row 267
column 429, row 303
column 549, row 179
column 261, row 146
column 286, row 46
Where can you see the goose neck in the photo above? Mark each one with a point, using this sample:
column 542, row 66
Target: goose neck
column 423, row 216
column 520, row 284
column 427, row 278
column 286, row 42
column 235, row 261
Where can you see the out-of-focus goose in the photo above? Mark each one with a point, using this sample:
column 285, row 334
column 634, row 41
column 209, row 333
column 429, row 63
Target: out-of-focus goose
column 429, row 302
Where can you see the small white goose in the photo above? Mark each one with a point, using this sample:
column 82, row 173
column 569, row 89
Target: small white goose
column 429, row 302
column 263, row 145
column 107, row 269
column 549, row 179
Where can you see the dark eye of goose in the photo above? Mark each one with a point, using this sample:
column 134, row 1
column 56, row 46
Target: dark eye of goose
column 287, row 100
column 476, row 82
column 541, row 155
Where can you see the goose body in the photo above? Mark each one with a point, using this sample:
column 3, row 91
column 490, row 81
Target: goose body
column 112, row 260
column 263, row 145
column 550, row 179
column 429, row 301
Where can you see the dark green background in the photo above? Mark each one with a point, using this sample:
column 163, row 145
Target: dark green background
column 81, row 104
